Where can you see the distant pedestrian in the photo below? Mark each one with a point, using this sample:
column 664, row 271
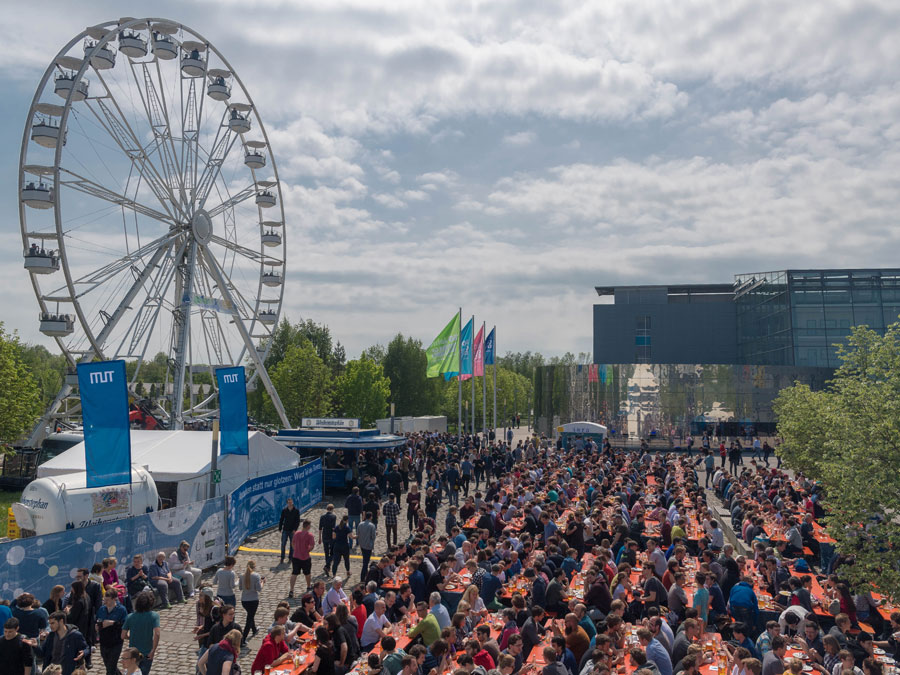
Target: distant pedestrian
column 326, row 531
column 391, row 512
column 301, row 563
column 287, row 525
column 366, row 534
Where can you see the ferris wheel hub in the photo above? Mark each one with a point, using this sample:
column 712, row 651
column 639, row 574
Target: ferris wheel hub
column 202, row 226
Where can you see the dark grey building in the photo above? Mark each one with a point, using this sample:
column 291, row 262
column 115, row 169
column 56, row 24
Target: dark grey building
column 786, row 318
column 666, row 324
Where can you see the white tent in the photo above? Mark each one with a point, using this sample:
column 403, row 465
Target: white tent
column 182, row 458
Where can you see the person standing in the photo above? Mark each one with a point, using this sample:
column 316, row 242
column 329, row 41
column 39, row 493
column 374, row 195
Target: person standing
column 301, row 563
column 341, row 536
column 391, row 513
column 251, row 586
column 15, row 651
column 709, row 463
column 110, row 620
column 326, row 534
column 141, row 629
column 287, row 525
column 64, row 646
column 366, row 534
column 354, row 506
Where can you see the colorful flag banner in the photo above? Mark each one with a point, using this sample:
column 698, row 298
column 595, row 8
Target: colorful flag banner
column 443, row 354
column 234, row 439
column 464, row 362
column 107, row 430
column 592, row 373
column 478, row 366
column 489, row 348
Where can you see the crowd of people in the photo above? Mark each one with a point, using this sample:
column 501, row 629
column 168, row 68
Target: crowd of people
column 101, row 621
column 578, row 560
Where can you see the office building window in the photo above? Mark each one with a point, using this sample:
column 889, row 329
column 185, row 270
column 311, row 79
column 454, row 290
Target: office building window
column 642, row 339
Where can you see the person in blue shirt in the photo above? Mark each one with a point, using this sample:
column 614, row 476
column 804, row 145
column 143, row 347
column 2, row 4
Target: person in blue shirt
column 744, row 604
column 570, row 565
column 740, row 638
column 564, row 654
column 549, row 526
column 110, row 618
column 489, row 587
column 416, row 580
column 538, row 587
column 515, row 565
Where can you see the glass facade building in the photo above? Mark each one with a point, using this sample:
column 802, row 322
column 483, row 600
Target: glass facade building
column 796, row 317
column 667, row 401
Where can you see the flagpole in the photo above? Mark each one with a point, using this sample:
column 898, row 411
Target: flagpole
column 459, row 429
column 472, row 361
column 483, row 384
column 495, row 380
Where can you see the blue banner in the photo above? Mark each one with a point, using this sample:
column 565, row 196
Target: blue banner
column 489, row 348
column 37, row 564
column 104, row 413
column 256, row 505
column 466, row 339
column 233, row 438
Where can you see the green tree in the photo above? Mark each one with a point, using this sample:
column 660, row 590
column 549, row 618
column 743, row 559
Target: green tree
column 47, row 369
column 363, row 391
column 20, row 396
column 374, row 353
column 412, row 393
column 847, row 437
column 303, row 383
column 522, row 363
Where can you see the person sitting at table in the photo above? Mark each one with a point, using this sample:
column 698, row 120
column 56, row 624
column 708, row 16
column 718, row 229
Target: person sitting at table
column 438, row 657
column 554, row 600
column 479, row 655
column 514, row 649
column 439, row 611
column 841, row 629
column 273, row 651
column 533, row 630
column 553, row 666
column 334, row 597
column 290, row 628
column 391, row 656
column 655, row 651
column 773, row 660
column 376, row 627
column 324, row 659
column 846, row 664
column 428, row 626
column 563, row 653
column 764, row 641
column 483, row 635
column 472, row 597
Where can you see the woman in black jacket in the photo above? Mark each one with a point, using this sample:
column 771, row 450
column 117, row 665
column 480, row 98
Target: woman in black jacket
column 79, row 608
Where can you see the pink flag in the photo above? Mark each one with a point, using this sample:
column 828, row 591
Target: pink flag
column 478, row 355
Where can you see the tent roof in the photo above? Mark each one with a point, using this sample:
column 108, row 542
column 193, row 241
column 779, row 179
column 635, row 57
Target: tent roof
column 583, row 428
column 179, row 455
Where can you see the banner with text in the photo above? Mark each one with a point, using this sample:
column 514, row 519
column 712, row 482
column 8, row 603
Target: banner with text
column 256, row 505
column 107, row 430
column 234, row 439
column 37, row 564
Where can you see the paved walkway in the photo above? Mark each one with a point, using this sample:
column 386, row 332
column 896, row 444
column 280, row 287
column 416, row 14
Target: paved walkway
column 177, row 650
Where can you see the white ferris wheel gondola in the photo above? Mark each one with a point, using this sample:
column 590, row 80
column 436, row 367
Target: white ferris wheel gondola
column 152, row 245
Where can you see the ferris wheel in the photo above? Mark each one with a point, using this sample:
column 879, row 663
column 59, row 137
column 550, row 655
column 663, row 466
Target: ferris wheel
column 151, row 210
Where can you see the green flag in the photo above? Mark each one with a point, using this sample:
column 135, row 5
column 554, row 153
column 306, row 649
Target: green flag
column 443, row 354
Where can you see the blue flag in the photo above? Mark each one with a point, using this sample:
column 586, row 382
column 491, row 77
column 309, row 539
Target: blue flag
column 489, row 348
column 466, row 338
column 233, row 438
column 104, row 414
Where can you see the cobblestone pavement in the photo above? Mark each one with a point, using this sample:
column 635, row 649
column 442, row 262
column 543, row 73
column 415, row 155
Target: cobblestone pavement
column 177, row 653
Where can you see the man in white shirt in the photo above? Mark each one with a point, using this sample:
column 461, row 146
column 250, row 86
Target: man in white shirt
column 440, row 612
column 375, row 627
column 334, row 597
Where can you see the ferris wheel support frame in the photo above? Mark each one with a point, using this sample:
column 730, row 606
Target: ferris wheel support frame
column 143, row 163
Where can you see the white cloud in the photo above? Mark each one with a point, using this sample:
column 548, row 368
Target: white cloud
column 520, row 139
column 390, row 201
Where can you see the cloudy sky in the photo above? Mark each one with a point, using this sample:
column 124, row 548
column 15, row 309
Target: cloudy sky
column 508, row 156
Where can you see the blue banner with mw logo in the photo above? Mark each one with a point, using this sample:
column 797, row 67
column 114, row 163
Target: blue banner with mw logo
column 233, row 439
column 104, row 411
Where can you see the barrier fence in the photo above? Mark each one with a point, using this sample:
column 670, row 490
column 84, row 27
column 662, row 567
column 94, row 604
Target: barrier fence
column 36, row 564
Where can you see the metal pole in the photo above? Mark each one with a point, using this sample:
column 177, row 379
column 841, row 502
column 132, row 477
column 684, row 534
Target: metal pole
column 459, row 417
column 483, row 386
column 495, row 381
column 214, row 459
column 472, row 379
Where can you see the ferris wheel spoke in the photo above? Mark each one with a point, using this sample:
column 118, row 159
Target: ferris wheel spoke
column 154, row 105
column 225, row 139
column 219, row 278
column 241, row 196
column 100, row 276
column 248, row 253
column 116, row 124
column 146, row 316
column 191, row 121
column 89, row 187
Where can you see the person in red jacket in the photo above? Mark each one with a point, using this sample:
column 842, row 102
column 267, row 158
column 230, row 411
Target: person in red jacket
column 273, row 651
